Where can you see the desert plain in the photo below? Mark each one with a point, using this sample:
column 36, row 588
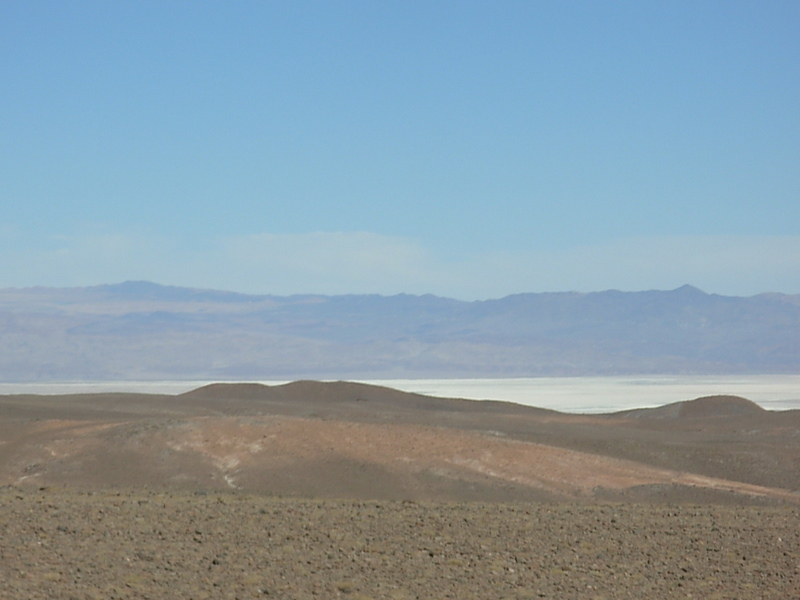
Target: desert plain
column 337, row 489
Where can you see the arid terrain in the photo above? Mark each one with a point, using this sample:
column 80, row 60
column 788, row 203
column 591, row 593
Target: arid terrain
column 57, row 544
column 348, row 490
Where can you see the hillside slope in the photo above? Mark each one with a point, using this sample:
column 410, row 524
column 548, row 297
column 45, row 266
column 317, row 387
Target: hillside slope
column 348, row 440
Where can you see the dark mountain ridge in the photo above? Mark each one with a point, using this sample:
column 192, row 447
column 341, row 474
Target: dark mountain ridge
column 142, row 330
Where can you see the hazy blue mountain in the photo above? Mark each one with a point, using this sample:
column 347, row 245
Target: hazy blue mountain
column 142, row 330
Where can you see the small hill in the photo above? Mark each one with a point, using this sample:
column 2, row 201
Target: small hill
column 700, row 408
column 219, row 391
column 350, row 397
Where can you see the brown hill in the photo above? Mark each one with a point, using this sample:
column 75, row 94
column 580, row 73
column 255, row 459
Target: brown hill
column 708, row 406
column 343, row 439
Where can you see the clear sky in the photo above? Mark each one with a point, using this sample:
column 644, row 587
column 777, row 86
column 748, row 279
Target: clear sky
column 466, row 149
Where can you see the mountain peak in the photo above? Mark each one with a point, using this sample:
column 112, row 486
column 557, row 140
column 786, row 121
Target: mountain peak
column 135, row 287
column 147, row 290
column 689, row 290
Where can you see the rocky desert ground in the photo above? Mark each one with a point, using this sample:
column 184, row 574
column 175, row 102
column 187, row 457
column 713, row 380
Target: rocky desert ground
column 143, row 544
column 346, row 490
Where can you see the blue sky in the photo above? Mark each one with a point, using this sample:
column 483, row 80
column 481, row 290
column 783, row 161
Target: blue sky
column 466, row 149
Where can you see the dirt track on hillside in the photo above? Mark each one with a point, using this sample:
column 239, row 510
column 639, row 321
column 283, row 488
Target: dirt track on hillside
column 61, row 544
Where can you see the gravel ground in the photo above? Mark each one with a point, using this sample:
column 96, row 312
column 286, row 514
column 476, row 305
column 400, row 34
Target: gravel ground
column 62, row 544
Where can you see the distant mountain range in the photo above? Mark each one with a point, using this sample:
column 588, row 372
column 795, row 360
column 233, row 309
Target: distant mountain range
column 145, row 331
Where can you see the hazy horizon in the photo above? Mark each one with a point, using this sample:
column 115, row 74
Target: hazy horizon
column 168, row 286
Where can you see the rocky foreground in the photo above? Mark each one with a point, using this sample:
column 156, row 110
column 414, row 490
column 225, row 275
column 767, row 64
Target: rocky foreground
column 57, row 543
